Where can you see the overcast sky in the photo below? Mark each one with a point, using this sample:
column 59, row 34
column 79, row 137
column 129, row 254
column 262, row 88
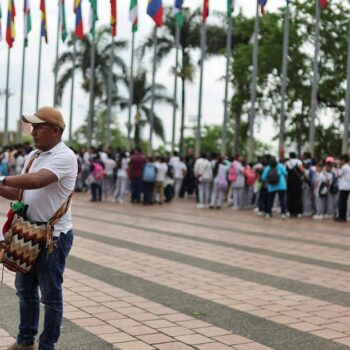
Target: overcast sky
column 213, row 93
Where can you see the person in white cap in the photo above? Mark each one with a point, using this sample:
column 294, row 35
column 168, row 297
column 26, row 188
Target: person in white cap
column 51, row 180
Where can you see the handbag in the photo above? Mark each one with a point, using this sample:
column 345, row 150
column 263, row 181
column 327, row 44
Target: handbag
column 24, row 238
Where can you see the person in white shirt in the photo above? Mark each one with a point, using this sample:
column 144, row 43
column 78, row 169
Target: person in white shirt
column 122, row 178
column 108, row 180
column 238, row 184
column 158, row 189
column 180, row 170
column 204, row 175
column 47, row 186
column 344, row 187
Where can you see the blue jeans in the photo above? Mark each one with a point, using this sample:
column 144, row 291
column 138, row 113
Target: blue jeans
column 282, row 199
column 136, row 189
column 46, row 274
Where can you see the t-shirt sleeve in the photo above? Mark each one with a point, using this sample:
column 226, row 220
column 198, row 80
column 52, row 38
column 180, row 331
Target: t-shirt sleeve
column 62, row 165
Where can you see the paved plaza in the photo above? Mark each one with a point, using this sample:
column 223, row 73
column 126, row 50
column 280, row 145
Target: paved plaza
column 174, row 277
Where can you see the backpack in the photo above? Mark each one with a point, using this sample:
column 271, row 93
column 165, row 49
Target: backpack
column 323, row 190
column 98, row 171
column 273, row 177
column 311, row 178
column 232, row 174
column 149, row 173
column 249, row 175
column 334, row 187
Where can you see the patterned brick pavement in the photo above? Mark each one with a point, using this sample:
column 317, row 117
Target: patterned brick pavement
column 175, row 277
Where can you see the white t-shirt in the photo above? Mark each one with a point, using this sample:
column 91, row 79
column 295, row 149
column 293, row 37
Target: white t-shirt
column 344, row 178
column 179, row 170
column 44, row 202
column 162, row 169
column 110, row 164
column 123, row 171
column 19, row 164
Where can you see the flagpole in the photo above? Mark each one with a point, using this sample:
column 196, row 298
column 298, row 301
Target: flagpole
column 57, row 50
column 72, row 89
column 110, row 90
column 39, row 70
column 347, row 110
column 254, row 86
column 91, row 91
column 175, row 104
column 284, row 80
column 155, row 44
column 6, row 138
column 315, row 80
column 228, row 64
column 22, row 92
column 131, row 87
column 199, row 118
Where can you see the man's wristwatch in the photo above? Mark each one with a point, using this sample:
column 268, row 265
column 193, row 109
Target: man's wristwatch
column 2, row 180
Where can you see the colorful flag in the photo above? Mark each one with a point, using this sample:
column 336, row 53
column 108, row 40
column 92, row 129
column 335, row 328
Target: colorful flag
column 133, row 15
column 155, row 10
column 27, row 27
column 205, row 11
column 63, row 23
column 177, row 12
column 43, row 20
column 11, row 30
column 262, row 4
column 114, row 17
column 93, row 17
column 0, row 23
column 323, row 4
column 231, row 7
column 79, row 29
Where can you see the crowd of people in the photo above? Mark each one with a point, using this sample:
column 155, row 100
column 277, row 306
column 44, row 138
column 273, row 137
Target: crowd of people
column 294, row 187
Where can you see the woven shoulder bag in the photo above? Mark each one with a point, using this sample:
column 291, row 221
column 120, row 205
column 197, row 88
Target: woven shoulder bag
column 23, row 238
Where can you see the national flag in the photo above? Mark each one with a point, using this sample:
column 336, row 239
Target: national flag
column 155, row 10
column 0, row 23
column 114, row 17
column 27, row 27
column 205, row 11
column 323, row 4
column 133, row 15
column 43, row 20
column 177, row 12
column 231, row 7
column 93, row 17
column 262, row 4
column 63, row 23
column 11, row 30
column 79, row 29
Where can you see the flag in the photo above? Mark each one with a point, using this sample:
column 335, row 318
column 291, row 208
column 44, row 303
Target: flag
column 93, row 17
column 133, row 15
column 155, row 10
column 231, row 7
column 43, row 20
column 205, row 11
column 323, row 4
column 11, row 30
column 114, row 17
column 0, row 23
column 79, row 29
column 27, row 27
column 63, row 23
column 262, row 4
column 177, row 12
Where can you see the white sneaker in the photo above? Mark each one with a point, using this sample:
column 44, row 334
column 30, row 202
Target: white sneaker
column 256, row 210
column 300, row 216
column 318, row 217
column 268, row 216
column 260, row 213
column 283, row 217
column 200, row 206
column 120, row 201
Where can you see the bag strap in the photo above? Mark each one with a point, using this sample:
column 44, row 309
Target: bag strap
column 26, row 171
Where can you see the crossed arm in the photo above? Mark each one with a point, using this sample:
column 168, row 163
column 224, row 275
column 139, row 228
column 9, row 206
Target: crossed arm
column 13, row 184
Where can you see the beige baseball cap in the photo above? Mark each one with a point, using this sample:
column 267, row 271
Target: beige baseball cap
column 46, row 115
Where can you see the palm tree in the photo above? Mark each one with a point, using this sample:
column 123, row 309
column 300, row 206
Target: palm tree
column 190, row 40
column 142, row 100
column 65, row 65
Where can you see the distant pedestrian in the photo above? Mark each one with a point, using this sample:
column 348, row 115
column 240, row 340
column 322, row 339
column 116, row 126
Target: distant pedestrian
column 204, row 175
column 344, row 187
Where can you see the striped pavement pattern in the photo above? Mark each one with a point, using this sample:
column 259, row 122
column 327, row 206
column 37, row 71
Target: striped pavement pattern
column 176, row 277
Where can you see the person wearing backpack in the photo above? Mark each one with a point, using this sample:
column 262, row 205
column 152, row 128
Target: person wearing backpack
column 149, row 177
column 250, row 177
column 321, row 188
column 204, row 175
column 237, row 179
column 137, row 162
column 307, row 188
column 344, row 187
column 274, row 175
column 333, row 193
column 96, row 178
column 220, row 184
